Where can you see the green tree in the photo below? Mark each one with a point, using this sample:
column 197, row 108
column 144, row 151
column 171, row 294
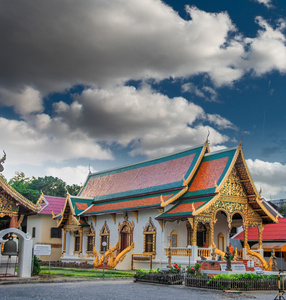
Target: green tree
column 282, row 210
column 31, row 188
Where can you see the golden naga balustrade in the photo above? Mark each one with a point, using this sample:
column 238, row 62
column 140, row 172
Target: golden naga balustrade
column 97, row 262
column 112, row 263
column 262, row 262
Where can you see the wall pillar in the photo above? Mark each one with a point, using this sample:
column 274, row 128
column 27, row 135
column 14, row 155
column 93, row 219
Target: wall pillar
column 260, row 231
column 14, row 222
column 244, row 252
column 194, row 234
column 64, row 243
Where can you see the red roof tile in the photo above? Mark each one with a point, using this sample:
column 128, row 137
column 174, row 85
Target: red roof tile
column 55, row 205
column 208, row 173
column 81, row 206
column 135, row 179
column 187, row 207
column 271, row 232
column 126, row 204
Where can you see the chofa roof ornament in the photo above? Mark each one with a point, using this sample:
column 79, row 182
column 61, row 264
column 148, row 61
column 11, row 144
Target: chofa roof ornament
column 2, row 161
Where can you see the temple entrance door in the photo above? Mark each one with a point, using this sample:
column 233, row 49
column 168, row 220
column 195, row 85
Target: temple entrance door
column 125, row 237
column 221, row 245
column 201, row 235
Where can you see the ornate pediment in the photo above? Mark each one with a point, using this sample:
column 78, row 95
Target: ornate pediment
column 233, row 186
column 7, row 206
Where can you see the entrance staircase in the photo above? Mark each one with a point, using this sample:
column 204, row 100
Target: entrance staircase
column 244, row 261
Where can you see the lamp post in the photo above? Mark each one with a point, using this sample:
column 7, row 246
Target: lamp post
column 189, row 248
column 104, row 247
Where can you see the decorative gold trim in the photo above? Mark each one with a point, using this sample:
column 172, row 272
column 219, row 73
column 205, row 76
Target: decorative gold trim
column 173, row 198
column 104, row 232
column 150, row 229
column 231, row 166
column 71, row 213
column 135, row 213
column 40, row 199
column 187, row 181
column 174, row 232
column 113, row 216
column 20, row 221
column 161, row 223
column 94, row 219
column 191, row 222
column 206, row 206
column 160, row 210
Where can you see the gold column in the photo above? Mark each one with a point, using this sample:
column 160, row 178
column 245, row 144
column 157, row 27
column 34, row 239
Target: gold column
column 245, row 234
column 65, row 240
column 194, row 234
column 80, row 240
column 212, row 233
column 260, row 231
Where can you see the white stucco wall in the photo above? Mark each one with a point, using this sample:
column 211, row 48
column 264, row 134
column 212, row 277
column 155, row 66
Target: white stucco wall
column 43, row 225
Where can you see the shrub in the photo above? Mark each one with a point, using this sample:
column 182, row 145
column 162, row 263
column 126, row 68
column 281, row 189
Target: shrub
column 36, row 266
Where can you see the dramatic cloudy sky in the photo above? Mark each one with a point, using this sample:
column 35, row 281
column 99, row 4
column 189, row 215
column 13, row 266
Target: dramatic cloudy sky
column 97, row 84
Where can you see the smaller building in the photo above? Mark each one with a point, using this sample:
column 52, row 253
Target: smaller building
column 43, row 227
column 273, row 236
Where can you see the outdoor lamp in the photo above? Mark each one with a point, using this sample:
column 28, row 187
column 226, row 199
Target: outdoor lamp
column 189, row 248
column 104, row 247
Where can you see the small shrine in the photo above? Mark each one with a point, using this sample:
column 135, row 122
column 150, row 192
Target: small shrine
column 13, row 208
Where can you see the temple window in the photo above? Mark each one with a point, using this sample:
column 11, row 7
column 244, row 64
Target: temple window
column 90, row 240
column 104, row 237
column 174, row 239
column 33, row 232
column 76, row 242
column 56, row 232
column 149, row 232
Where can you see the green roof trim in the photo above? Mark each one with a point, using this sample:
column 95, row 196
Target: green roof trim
column 184, row 208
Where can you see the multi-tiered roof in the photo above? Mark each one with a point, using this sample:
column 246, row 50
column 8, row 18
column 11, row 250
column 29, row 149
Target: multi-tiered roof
column 184, row 183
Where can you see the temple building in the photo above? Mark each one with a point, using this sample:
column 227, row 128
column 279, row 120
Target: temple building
column 14, row 207
column 177, row 208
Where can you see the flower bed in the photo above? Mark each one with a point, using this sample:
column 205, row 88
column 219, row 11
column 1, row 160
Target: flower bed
column 169, row 276
column 257, row 282
column 160, row 278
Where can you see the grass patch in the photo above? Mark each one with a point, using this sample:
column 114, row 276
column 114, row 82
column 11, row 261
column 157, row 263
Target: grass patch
column 76, row 273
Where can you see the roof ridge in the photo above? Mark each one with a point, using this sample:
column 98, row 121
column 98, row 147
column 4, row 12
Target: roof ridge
column 145, row 161
column 221, row 151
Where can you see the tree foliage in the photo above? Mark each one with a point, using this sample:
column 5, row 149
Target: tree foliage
column 31, row 188
column 282, row 210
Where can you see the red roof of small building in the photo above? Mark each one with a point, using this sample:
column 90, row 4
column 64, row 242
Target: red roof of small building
column 271, row 232
column 54, row 205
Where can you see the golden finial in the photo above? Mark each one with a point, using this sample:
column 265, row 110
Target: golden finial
column 208, row 135
column 2, row 161
column 193, row 208
column 241, row 138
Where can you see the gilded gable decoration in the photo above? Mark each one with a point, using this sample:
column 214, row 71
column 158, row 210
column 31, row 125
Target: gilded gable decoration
column 233, row 186
column 7, row 206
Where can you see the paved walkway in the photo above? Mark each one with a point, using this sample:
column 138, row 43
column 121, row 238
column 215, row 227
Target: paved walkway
column 114, row 289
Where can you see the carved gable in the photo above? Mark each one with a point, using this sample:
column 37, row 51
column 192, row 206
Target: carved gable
column 7, row 206
column 233, row 186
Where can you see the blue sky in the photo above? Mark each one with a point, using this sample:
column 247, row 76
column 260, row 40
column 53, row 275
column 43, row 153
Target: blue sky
column 100, row 84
